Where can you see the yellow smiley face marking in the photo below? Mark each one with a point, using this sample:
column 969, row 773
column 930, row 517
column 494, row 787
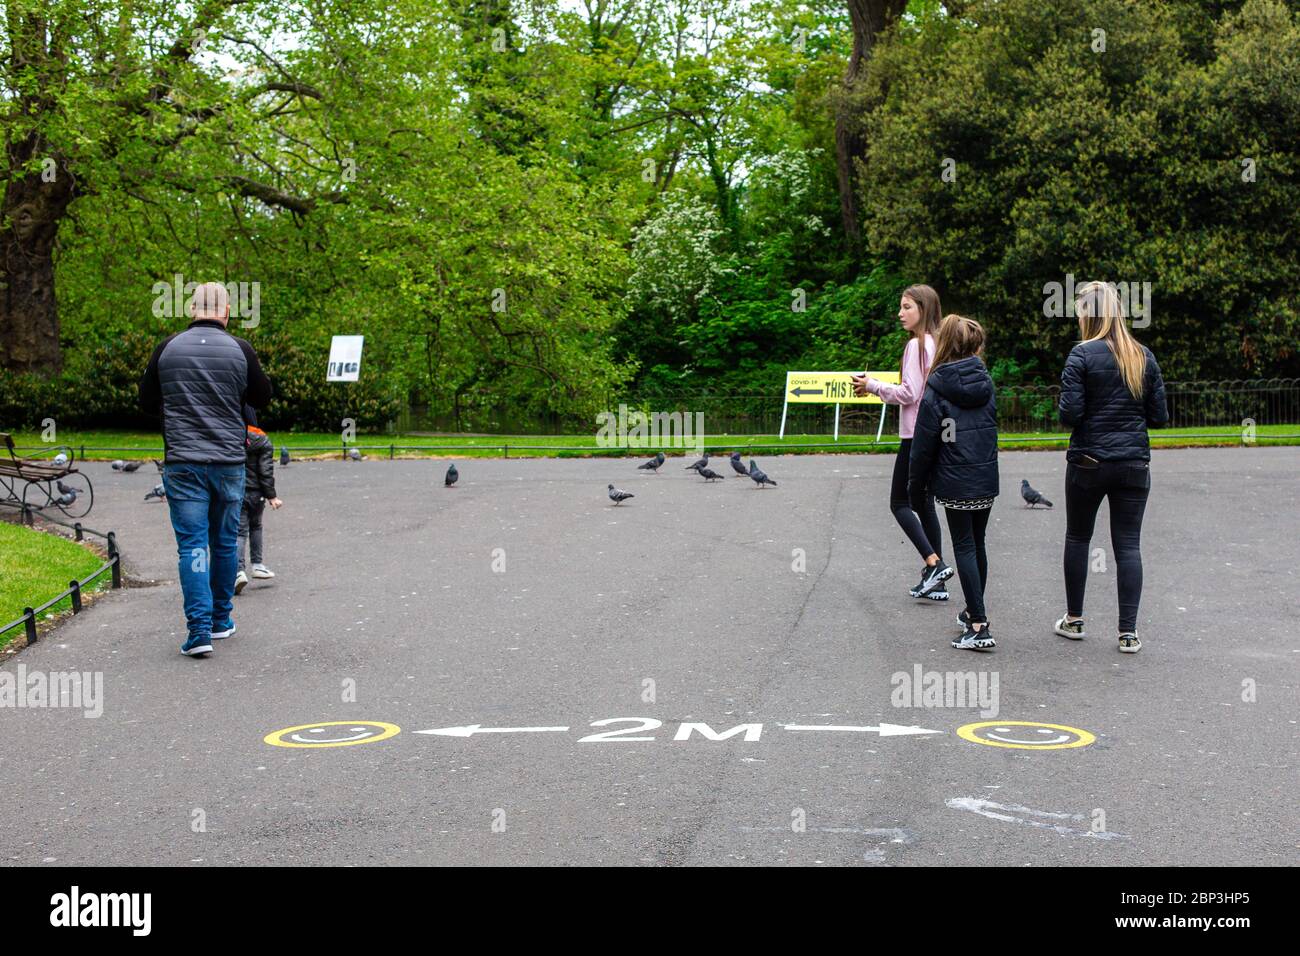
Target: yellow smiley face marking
column 1025, row 735
column 332, row 733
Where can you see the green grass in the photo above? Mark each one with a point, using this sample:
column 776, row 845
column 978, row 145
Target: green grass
column 119, row 444
column 35, row 566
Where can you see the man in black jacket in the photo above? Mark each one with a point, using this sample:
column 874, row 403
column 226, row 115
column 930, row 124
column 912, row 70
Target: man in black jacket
column 199, row 380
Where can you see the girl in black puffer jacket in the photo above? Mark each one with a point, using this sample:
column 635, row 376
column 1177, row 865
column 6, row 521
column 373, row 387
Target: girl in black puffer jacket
column 1111, row 392
column 955, row 456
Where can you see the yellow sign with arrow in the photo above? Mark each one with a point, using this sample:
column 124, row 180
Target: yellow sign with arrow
column 831, row 388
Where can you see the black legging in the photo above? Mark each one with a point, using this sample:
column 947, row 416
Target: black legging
column 1127, row 484
column 915, row 515
column 967, row 529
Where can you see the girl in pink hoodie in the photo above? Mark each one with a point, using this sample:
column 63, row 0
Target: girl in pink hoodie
column 919, row 313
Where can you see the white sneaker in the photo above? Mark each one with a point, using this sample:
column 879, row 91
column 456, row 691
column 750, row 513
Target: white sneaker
column 1129, row 643
column 1071, row 629
column 262, row 571
column 241, row 581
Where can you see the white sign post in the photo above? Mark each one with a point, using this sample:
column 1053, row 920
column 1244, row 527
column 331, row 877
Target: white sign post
column 345, row 358
column 831, row 388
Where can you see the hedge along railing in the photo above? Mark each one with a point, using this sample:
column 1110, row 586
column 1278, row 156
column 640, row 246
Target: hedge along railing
column 1226, row 403
column 713, row 446
column 113, row 565
column 1021, row 408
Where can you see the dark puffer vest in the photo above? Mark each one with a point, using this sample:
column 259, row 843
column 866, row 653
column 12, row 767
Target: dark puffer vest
column 200, row 379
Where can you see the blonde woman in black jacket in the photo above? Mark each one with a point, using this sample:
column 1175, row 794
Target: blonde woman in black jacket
column 1111, row 392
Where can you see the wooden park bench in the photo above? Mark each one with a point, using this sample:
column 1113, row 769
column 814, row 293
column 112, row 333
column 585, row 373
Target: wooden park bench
column 43, row 474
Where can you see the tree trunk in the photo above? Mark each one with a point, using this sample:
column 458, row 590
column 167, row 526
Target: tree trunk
column 869, row 18
column 33, row 208
column 39, row 183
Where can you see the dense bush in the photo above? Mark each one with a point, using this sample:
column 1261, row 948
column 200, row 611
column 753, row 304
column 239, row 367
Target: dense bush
column 1130, row 142
column 98, row 388
column 304, row 401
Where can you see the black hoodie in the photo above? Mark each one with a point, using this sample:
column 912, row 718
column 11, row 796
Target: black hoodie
column 955, row 446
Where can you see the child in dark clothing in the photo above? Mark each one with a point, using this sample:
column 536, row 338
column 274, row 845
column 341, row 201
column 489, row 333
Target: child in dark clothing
column 259, row 491
column 955, row 456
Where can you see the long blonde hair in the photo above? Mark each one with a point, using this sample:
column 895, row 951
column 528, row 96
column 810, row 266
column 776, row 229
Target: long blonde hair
column 1101, row 316
column 958, row 338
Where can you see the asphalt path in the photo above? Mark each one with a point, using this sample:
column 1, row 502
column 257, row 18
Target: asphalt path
column 522, row 598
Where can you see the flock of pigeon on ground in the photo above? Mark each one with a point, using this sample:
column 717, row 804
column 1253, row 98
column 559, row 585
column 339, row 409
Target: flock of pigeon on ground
column 701, row 467
column 68, row 494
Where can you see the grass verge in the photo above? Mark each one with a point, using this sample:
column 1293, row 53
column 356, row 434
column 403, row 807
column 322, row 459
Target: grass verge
column 35, row 566
column 107, row 445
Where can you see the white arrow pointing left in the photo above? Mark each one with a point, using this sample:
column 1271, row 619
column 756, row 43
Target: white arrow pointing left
column 477, row 729
column 885, row 730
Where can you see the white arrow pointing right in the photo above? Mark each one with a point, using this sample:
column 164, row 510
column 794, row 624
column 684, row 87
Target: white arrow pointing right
column 885, row 730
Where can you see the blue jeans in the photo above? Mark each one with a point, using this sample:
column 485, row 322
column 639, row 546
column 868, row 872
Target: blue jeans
column 205, row 502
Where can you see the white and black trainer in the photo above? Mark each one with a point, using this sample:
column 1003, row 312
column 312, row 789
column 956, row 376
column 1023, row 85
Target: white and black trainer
column 915, row 590
column 1129, row 643
column 973, row 640
column 938, row 594
column 934, row 575
column 1071, row 629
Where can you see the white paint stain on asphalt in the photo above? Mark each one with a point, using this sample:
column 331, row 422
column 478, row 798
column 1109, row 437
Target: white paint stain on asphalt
column 987, row 808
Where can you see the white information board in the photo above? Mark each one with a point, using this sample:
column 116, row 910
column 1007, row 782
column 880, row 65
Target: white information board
column 345, row 358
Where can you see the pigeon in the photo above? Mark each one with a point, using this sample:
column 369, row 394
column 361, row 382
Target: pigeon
column 708, row 474
column 617, row 496
column 759, row 477
column 131, row 466
column 67, row 498
column 653, row 464
column 158, row 464
column 284, row 455
column 1031, row 496
column 67, row 489
column 699, row 464
column 737, row 466
column 452, row 475
column 354, row 454
column 117, row 465
column 61, row 459
column 159, row 492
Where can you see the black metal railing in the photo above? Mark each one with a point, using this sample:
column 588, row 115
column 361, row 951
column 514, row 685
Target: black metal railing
column 1021, row 408
column 112, row 566
column 1230, row 405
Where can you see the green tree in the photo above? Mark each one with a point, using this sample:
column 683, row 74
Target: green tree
column 1099, row 139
